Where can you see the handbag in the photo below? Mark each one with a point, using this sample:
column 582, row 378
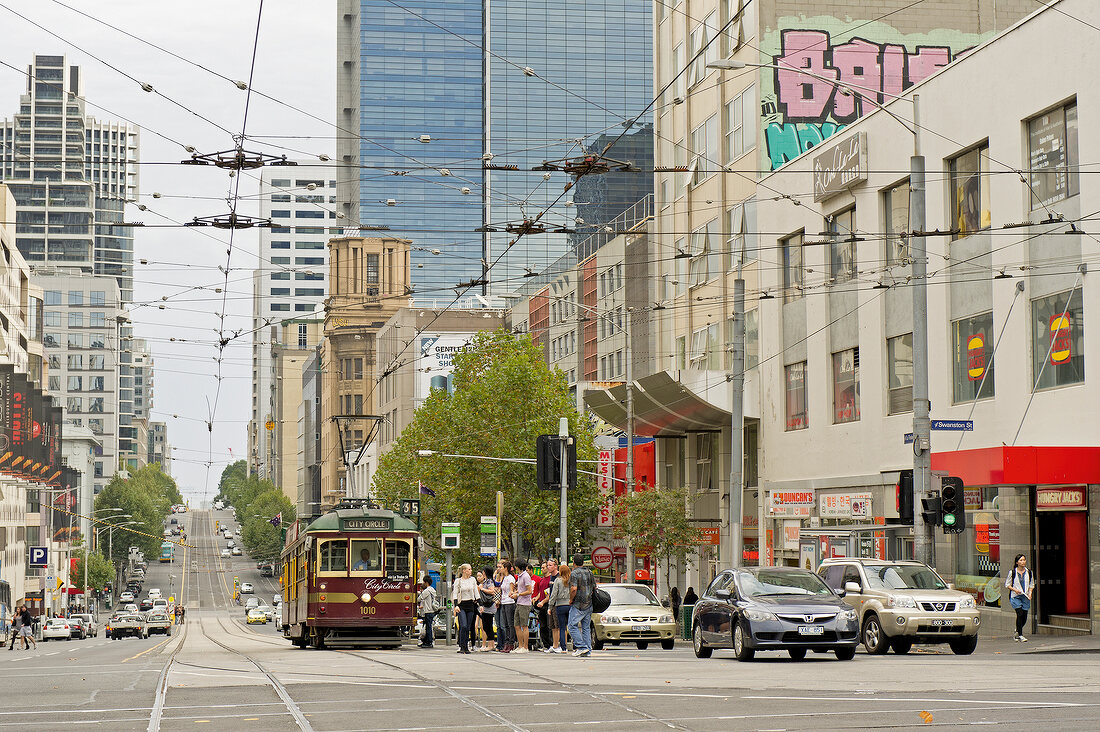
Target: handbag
column 601, row 600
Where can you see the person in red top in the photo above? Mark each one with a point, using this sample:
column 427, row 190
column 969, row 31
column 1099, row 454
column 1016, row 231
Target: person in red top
column 547, row 618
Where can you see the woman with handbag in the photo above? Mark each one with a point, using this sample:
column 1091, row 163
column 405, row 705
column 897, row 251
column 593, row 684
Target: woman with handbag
column 464, row 595
column 487, row 608
column 559, row 605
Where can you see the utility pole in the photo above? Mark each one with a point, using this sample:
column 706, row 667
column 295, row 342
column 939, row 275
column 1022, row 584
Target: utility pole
column 629, row 431
column 446, row 599
column 918, row 255
column 563, row 435
column 737, row 419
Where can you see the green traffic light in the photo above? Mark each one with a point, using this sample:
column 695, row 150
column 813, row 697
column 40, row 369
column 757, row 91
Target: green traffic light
column 949, row 520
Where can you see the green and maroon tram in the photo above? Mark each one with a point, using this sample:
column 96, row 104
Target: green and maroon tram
column 349, row 578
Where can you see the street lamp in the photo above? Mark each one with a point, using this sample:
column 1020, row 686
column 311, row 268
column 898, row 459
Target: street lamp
column 922, row 436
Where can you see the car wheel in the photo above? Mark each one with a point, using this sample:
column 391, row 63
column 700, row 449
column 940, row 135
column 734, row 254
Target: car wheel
column 901, row 646
column 701, row 649
column 873, row 638
column 846, row 654
column 668, row 644
column 964, row 646
column 642, row 645
column 740, row 644
column 797, row 654
column 597, row 644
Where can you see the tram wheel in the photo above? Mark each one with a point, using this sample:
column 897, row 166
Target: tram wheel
column 317, row 639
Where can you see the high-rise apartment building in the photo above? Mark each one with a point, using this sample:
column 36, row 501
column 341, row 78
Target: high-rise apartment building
column 135, row 427
column 71, row 176
column 437, row 90
column 160, row 450
column 290, row 281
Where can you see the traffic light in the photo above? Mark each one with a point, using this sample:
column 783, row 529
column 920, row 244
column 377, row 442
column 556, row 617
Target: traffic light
column 931, row 509
column 548, row 467
column 905, row 496
column 952, row 506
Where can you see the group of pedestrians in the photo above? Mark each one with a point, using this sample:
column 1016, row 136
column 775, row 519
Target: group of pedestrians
column 22, row 627
column 504, row 600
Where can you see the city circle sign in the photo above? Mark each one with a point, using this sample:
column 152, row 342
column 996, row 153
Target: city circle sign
column 602, row 556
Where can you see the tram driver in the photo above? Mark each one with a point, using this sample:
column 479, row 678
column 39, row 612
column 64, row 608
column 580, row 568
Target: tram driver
column 366, row 562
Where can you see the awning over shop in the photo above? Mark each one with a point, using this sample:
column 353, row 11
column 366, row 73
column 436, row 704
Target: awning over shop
column 1022, row 465
column 665, row 405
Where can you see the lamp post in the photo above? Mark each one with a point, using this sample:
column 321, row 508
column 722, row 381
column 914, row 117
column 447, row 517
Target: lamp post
column 922, row 449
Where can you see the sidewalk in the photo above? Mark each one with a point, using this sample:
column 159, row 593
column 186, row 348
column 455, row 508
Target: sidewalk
column 1039, row 643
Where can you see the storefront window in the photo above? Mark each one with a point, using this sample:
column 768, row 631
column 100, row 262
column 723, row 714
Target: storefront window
column 1058, row 339
column 973, row 341
column 846, row 386
column 978, row 559
column 796, row 397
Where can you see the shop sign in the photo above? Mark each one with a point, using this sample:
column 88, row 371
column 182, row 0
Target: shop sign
column 709, row 536
column 1060, row 340
column 972, row 498
column 605, row 517
column 790, row 534
column 840, row 167
column 844, row 505
column 1060, row 499
column 975, row 357
column 790, row 504
column 769, row 552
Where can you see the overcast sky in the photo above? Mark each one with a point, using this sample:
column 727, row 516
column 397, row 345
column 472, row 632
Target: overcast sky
column 295, row 63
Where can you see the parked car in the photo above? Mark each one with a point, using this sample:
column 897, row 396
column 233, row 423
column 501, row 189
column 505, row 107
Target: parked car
column 269, row 611
column 158, row 622
column 77, row 629
column 256, row 615
column 236, row 551
column 126, row 597
column 90, row 625
column 247, row 588
column 145, row 604
column 277, row 600
column 752, row 609
column 902, row 603
column 128, row 624
column 635, row 615
column 57, row 629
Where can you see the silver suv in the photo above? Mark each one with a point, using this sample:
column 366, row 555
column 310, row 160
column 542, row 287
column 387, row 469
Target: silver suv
column 901, row 603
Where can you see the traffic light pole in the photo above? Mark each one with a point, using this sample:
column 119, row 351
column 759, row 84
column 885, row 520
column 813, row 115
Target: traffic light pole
column 563, row 435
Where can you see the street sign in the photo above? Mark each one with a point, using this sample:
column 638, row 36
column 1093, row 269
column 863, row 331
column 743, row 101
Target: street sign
column 953, row 425
column 488, row 536
column 269, row 425
column 449, row 535
column 39, row 556
column 50, row 579
column 602, row 556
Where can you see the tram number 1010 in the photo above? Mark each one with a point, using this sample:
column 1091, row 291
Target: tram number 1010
column 367, row 610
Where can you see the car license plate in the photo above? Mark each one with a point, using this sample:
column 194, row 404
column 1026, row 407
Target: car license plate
column 943, row 622
column 811, row 630
column 639, row 628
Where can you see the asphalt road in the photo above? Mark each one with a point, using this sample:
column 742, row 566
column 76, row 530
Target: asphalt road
column 217, row 673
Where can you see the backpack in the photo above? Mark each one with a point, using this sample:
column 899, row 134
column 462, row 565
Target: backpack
column 601, row 600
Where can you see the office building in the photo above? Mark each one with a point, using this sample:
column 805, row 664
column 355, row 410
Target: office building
column 297, row 340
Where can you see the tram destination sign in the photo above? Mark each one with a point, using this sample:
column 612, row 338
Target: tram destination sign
column 366, row 524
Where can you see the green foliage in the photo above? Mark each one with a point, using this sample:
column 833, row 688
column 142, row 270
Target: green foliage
column 100, row 571
column 262, row 540
column 656, row 521
column 147, row 496
column 505, row 396
column 233, row 475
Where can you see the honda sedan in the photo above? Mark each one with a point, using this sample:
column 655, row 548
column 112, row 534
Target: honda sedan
column 754, row 609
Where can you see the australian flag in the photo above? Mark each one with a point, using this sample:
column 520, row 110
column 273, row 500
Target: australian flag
column 277, row 519
column 425, row 490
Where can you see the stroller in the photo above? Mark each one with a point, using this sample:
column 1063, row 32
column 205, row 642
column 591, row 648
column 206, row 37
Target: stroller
column 533, row 637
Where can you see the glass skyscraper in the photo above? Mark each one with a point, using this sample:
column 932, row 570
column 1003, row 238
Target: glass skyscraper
column 560, row 80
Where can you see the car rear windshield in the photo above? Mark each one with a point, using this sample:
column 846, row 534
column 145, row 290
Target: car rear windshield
column 631, row 595
column 768, row 582
column 903, row 577
column 55, row 622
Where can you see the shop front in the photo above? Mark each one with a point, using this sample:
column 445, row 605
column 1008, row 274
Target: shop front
column 1035, row 501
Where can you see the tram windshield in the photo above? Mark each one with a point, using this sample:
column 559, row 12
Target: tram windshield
column 332, row 555
column 366, row 555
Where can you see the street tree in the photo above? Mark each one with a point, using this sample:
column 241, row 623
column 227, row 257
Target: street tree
column 134, row 500
column 656, row 521
column 262, row 538
column 100, row 571
column 504, row 396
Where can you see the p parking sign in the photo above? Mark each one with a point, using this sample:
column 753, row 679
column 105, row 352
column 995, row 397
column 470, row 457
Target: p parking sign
column 39, row 556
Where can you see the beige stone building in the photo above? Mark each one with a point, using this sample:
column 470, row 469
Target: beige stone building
column 296, row 340
column 368, row 283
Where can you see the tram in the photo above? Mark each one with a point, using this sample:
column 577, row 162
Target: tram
column 349, row 576
column 167, row 551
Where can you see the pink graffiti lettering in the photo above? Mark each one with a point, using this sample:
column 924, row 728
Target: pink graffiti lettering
column 805, row 97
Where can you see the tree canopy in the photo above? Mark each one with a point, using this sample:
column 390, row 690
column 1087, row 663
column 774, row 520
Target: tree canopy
column 146, row 497
column 256, row 501
column 100, row 571
column 505, row 395
column 656, row 521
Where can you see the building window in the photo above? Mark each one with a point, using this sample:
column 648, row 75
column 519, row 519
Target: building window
column 52, row 319
column 75, row 383
column 277, row 307
column 706, row 351
column 973, row 341
column 1058, row 340
column 752, row 340
column 303, row 335
column 280, row 275
column 792, row 267
column 76, row 297
column 796, row 396
column 1052, row 148
column 741, row 124
column 699, row 50
column 97, row 320
column 97, row 297
column 706, row 257
column 76, row 320
column 842, row 246
column 681, row 352
column 846, row 386
column 969, row 180
column 741, row 245
column 372, row 269
column 899, row 357
column 52, row 297
column 704, row 150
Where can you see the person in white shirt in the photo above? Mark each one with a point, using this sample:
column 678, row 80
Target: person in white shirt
column 464, row 594
column 508, row 609
column 1021, row 586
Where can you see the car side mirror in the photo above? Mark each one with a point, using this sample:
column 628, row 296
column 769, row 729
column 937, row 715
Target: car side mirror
column 664, row 603
column 852, row 587
column 950, row 585
column 722, row 595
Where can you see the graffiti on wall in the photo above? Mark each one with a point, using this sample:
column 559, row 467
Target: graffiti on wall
column 841, row 83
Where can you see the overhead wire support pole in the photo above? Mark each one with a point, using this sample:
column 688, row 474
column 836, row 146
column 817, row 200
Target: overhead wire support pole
column 737, row 420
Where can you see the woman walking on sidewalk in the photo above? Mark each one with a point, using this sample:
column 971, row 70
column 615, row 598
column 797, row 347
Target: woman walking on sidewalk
column 486, row 607
column 464, row 595
column 1021, row 586
column 559, row 605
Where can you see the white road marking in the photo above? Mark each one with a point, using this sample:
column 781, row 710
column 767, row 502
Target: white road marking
column 912, row 700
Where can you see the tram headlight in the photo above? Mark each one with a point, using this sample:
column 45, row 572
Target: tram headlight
column 323, row 587
column 365, row 597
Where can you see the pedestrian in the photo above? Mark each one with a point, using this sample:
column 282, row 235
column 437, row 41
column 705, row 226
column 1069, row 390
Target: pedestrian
column 690, row 598
column 508, row 607
column 16, row 625
column 674, row 604
column 179, row 615
column 27, row 629
column 547, row 619
column 487, row 607
column 525, row 588
column 1021, row 585
column 582, row 585
column 427, row 605
column 559, row 608
column 464, row 595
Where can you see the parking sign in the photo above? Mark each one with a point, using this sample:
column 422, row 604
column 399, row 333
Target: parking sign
column 39, row 556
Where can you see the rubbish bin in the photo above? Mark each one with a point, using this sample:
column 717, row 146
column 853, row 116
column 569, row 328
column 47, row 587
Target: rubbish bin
column 685, row 621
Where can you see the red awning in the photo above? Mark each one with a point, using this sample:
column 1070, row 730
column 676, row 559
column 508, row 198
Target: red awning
column 1022, row 465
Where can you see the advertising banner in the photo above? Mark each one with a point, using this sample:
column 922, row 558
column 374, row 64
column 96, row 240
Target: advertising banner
column 20, row 424
column 845, row 505
column 7, row 386
column 790, row 534
column 790, row 504
column 605, row 517
column 435, row 361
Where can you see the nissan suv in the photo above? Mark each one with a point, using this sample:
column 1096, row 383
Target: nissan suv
column 900, row 603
